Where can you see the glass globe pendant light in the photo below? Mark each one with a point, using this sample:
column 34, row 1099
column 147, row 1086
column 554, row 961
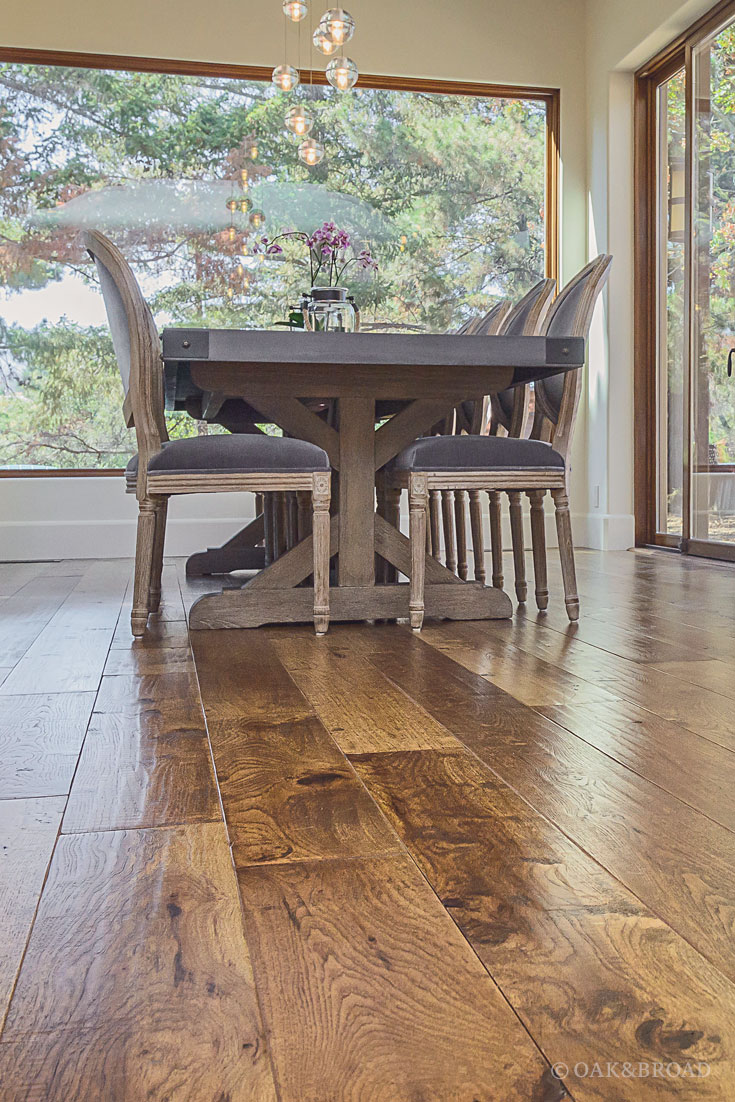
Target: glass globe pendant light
column 342, row 73
column 299, row 120
column 285, row 77
column 338, row 25
column 295, row 10
column 311, row 152
column 323, row 42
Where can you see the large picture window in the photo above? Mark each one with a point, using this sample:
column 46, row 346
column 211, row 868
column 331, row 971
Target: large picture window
column 449, row 191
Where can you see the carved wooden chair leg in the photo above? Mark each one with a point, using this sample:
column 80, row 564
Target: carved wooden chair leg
column 281, row 535
column 154, row 590
column 392, row 508
column 538, row 537
column 460, row 526
column 143, row 565
column 450, row 543
column 516, row 531
column 268, row 527
column 303, row 517
column 496, row 539
column 429, row 545
column 320, row 496
column 417, row 502
column 435, row 498
column 566, row 552
column 478, row 539
column 291, row 520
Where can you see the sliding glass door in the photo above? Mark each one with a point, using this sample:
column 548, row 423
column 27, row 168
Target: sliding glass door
column 688, row 301
column 670, row 294
column 713, row 291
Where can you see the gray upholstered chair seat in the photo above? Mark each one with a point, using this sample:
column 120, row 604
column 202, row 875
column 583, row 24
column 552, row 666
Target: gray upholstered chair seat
column 476, row 453
column 238, row 454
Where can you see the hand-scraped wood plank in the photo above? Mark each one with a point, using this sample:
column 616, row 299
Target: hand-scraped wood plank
column 96, row 598
column 361, row 709
column 370, row 992
column 242, row 679
column 527, row 678
column 593, row 974
column 287, row 791
column 40, row 740
column 149, row 660
column 146, row 1059
column 68, row 655
column 158, row 634
column 138, row 939
column 698, row 772
column 171, row 608
column 128, row 777
column 40, row 714
column 288, row 794
column 678, row 863
column 14, row 575
column 165, row 701
column 61, row 661
column 713, row 674
column 26, row 613
column 666, row 696
column 28, row 830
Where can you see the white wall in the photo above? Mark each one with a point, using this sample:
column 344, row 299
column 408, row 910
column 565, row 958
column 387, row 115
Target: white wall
column 588, row 48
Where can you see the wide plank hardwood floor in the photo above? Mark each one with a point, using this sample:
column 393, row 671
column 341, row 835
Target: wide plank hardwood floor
column 492, row 862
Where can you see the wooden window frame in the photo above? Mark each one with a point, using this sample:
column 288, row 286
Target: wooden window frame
column 676, row 56
column 549, row 96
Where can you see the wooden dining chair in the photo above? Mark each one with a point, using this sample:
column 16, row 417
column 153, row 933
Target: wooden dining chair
column 444, row 512
column 506, row 413
column 201, row 464
column 502, row 464
column 454, row 505
column 526, row 318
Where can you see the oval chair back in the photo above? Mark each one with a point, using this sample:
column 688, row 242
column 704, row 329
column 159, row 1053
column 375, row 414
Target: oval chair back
column 509, row 408
column 557, row 397
column 488, row 324
column 465, row 416
column 137, row 349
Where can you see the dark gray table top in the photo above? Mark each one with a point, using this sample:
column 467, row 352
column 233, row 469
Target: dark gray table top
column 242, row 346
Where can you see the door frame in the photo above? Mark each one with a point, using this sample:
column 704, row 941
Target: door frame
column 676, row 56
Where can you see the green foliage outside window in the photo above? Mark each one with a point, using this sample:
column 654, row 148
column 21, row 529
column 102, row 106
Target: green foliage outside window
column 447, row 191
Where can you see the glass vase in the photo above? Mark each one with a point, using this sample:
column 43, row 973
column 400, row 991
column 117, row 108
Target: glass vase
column 329, row 311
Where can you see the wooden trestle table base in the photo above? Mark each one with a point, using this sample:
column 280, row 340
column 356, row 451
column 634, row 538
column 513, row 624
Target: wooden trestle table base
column 274, row 372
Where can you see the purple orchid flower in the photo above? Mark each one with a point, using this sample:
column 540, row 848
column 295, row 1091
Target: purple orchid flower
column 327, row 247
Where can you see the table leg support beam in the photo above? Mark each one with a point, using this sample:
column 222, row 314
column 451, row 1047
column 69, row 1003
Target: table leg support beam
column 241, row 608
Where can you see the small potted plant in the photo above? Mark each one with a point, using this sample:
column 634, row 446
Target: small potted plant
column 328, row 308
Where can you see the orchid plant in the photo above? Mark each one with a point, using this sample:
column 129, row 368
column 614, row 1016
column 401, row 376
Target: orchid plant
column 328, row 260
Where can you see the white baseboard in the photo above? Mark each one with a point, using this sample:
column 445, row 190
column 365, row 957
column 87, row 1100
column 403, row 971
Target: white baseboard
column 604, row 531
column 92, row 517
column 88, row 517
column 111, row 539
